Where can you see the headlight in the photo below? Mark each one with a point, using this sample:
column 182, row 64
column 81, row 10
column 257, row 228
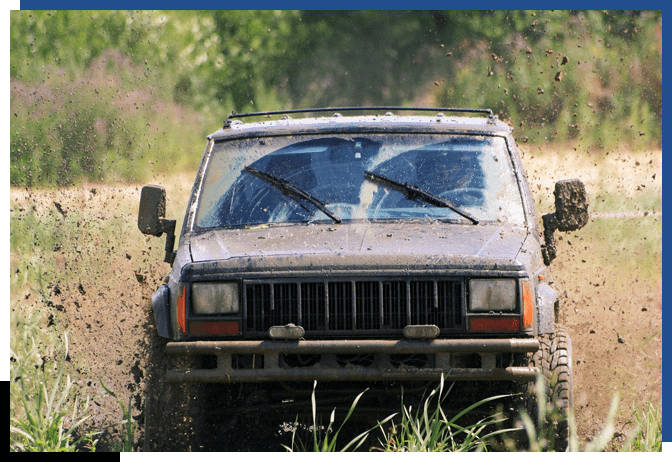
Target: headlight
column 492, row 294
column 215, row 298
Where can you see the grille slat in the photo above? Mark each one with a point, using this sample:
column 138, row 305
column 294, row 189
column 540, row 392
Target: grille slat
column 340, row 306
column 354, row 306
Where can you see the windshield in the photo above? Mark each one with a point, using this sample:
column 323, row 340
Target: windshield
column 302, row 179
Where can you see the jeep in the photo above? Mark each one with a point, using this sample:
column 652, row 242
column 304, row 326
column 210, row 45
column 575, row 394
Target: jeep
column 381, row 248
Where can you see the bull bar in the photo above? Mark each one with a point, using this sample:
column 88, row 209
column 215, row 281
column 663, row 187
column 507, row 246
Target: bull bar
column 273, row 371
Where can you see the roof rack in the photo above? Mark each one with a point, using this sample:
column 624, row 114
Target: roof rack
column 233, row 115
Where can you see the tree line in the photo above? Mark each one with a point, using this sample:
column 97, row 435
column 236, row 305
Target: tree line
column 94, row 94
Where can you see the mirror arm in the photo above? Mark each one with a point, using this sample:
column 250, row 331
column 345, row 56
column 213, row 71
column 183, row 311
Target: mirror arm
column 168, row 227
column 548, row 249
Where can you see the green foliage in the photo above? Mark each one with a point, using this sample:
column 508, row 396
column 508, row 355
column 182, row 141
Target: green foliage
column 426, row 430
column 45, row 413
column 322, row 439
column 588, row 77
column 92, row 96
column 99, row 95
column 169, row 46
column 648, row 436
column 108, row 125
column 338, row 58
column 128, row 425
column 430, row 430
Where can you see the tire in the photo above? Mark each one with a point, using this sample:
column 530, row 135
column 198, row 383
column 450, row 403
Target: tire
column 554, row 360
column 172, row 411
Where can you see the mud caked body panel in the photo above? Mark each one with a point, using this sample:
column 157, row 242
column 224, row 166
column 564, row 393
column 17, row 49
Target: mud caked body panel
column 365, row 248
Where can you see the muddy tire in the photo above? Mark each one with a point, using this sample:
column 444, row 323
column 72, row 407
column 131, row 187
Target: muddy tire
column 172, row 411
column 554, row 360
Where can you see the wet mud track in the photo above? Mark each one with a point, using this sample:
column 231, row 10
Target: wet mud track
column 98, row 273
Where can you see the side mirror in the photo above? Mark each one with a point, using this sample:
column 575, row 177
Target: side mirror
column 151, row 217
column 152, row 210
column 571, row 213
column 571, row 205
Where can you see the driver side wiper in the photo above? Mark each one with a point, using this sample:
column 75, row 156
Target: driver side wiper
column 412, row 192
column 289, row 189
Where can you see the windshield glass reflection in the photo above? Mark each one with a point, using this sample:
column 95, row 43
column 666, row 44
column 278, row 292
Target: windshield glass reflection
column 325, row 176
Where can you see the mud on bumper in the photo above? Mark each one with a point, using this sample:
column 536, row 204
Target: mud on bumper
column 363, row 360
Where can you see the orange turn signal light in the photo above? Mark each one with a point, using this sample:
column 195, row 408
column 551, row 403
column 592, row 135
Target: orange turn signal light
column 528, row 308
column 182, row 310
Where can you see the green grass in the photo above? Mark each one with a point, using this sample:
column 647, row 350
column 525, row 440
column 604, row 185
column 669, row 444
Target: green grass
column 648, row 436
column 47, row 248
column 427, row 429
column 621, row 247
column 326, row 439
column 128, row 425
column 430, row 429
column 46, row 412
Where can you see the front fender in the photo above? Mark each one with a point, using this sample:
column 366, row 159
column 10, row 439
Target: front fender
column 161, row 309
column 546, row 298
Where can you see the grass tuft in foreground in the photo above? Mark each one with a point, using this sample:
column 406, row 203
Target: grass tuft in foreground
column 648, row 436
column 322, row 440
column 47, row 414
column 429, row 429
column 128, row 425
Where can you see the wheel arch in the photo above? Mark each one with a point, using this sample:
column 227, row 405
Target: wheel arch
column 547, row 298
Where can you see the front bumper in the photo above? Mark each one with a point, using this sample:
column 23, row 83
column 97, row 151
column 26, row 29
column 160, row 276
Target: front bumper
column 266, row 360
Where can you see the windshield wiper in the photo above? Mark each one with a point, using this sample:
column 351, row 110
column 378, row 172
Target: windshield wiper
column 412, row 192
column 289, row 189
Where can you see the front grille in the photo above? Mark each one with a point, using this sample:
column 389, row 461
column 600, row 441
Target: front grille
column 338, row 307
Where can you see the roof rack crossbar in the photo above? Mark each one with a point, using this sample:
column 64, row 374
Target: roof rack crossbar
column 233, row 115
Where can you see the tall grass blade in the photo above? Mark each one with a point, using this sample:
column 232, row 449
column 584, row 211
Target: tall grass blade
column 606, row 434
column 128, row 425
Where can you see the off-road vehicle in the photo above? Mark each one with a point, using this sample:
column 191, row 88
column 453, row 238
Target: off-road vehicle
column 381, row 248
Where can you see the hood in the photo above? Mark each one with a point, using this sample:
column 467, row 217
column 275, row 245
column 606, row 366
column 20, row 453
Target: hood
column 362, row 245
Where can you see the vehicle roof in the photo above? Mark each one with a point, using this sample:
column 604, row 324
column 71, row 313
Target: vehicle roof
column 439, row 122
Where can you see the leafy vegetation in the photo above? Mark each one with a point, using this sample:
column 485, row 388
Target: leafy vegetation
column 128, row 425
column 649, row 434
column 430, row 429
column 46, row 414
column 118, row 95
column 326, row 439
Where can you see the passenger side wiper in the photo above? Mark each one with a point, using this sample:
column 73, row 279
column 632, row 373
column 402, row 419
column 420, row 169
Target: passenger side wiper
column 289, row 189
column 412, row 192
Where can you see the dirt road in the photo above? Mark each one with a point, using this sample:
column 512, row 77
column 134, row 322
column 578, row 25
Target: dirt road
column 99, row 273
